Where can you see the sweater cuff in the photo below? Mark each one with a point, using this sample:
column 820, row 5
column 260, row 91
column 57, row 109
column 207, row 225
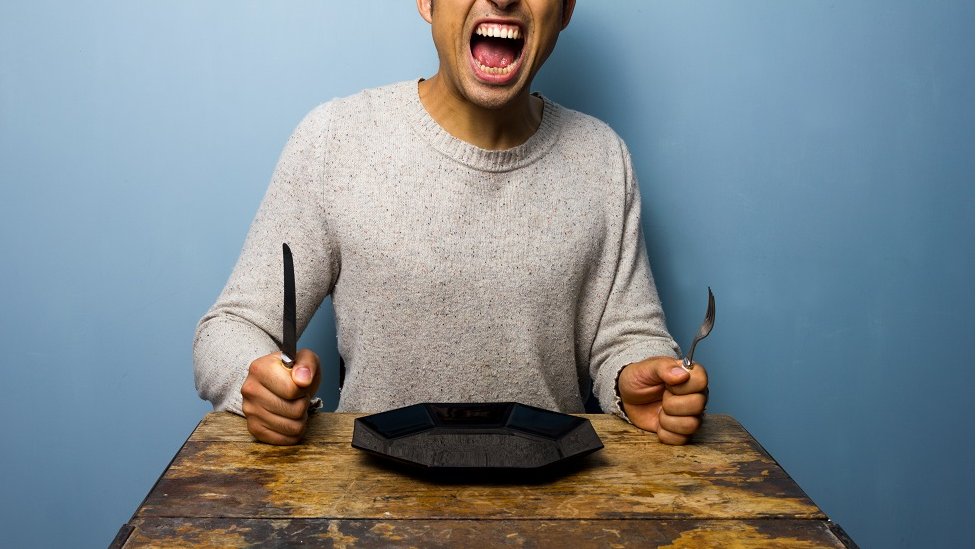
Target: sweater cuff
column 617, row 408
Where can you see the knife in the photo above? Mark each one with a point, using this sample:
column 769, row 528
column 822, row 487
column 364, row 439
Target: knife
column 289, row 339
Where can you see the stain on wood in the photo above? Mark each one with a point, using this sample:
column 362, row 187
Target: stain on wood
column 223, row 489
column 335, row 427
column 692, row 534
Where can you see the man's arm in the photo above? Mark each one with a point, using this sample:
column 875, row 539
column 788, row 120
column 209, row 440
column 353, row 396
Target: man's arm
column 244, row 325
column 633, row 337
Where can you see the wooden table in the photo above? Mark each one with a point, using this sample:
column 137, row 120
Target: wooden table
column 224, row 490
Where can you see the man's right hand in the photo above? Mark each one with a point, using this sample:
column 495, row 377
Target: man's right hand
column 276, row 399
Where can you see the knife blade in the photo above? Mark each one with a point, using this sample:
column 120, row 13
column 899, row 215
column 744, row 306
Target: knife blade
column 289, row 338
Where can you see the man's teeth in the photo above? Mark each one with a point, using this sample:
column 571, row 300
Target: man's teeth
column 493, row 30
column 497, row 70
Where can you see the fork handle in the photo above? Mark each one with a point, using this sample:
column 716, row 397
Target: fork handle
column 687, row 364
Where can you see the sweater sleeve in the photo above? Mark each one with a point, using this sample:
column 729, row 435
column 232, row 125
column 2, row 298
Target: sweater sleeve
column 245, row 322
column 632, row 327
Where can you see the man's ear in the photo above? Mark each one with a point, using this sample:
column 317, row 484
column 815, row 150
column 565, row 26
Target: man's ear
column 568, row 6
column 426, row 9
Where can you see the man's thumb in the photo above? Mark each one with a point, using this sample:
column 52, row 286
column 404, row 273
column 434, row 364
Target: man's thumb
column 671, row 373
column 302, row 374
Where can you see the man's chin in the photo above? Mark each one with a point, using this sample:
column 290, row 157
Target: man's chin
column 493, row 101
column 493, row 96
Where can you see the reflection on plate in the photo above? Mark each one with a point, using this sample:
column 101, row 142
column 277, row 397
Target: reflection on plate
column 496, row 435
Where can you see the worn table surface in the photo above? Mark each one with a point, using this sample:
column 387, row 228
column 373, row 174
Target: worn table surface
column 225, row 490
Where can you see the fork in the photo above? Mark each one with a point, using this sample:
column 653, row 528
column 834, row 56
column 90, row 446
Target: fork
column 688, row 362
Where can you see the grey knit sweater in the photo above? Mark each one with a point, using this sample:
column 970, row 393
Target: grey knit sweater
column 457, row 273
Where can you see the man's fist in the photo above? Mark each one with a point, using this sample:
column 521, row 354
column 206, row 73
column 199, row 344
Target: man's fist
column 276, row 399
column 659, row 395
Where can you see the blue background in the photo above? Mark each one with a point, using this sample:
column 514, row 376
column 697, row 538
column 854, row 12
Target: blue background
column 810, row 160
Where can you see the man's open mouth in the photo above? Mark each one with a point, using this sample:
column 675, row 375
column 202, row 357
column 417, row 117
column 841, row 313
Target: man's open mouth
column 496, row 47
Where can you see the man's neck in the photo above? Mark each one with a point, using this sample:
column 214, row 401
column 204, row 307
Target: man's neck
column 492, row 129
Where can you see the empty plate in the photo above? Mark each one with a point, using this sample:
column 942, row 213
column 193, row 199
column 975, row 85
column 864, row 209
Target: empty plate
column 495, row 435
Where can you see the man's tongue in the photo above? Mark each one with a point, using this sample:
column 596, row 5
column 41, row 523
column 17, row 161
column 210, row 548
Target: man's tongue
column 495, row 52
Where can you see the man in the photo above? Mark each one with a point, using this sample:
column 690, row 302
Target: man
column 480, row 243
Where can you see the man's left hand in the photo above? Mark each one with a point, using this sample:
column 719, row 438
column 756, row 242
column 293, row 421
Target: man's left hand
column 659, row 395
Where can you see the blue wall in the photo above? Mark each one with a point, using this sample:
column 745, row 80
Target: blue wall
column 810, row 160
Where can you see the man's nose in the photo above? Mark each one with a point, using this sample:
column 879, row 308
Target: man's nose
column 503, row 4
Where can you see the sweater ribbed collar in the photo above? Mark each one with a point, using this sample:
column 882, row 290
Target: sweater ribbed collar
column 475, row 157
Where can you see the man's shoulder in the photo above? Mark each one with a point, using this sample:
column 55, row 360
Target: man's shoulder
column 580, row 129
column 382, row 98
column 360, row 112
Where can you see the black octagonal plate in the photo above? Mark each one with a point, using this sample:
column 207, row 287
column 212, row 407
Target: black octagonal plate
column 495, row 435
